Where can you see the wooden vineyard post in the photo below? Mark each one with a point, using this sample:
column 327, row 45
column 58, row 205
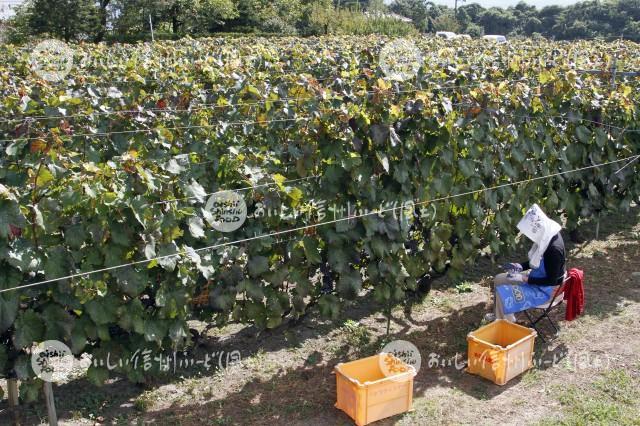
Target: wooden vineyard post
column 51, row 405
column 12, row 394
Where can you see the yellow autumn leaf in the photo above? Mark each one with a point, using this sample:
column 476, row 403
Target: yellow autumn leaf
column 536, row 105
column 383, row 85
column 91, row 167
column 296, row 196
column 279, row 179
column 395, row 111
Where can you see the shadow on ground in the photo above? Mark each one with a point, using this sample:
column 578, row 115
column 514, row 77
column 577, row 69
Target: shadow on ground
column 307, row 391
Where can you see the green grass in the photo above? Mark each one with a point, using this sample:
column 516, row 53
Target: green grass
column 611, row 399
column 143, row 402
column 425, row 411
column 443, row 303
column 89, row 405
column 465, row 287
column 619, row 386
column 221, row 421
column 531, row 378
column 261, row 362
column 357, row 335
column 480, row 391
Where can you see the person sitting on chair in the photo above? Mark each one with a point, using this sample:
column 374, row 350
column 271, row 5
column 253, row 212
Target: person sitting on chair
column 531, row 283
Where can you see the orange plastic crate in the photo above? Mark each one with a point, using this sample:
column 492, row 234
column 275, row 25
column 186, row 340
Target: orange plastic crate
column 367, row 395
column 500, row 351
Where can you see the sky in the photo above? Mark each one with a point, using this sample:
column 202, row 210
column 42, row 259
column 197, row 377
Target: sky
column 5, row 7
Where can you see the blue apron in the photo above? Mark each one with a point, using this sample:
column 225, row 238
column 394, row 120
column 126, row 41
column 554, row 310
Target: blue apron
column 518, row 298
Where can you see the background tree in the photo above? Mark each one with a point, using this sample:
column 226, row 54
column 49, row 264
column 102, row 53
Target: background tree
column 533, row 25
column 549, row 16
column 446, row 22
column 318, row 17
column 198, row 16
column 128, row 20
column 498, row 21
column 277, row 16
column 474, row 30
column 352, row 4
column 103, row 12
column 65, row 19
column 417, row 10
column 377, row 6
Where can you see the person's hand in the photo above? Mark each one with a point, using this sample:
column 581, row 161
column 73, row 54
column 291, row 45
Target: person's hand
column 512, row 267
column 518, row 277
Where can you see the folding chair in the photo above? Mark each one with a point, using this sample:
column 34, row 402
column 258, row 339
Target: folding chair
column 546, row 308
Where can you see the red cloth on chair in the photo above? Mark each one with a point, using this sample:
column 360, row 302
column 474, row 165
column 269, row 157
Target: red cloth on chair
column 574, row 294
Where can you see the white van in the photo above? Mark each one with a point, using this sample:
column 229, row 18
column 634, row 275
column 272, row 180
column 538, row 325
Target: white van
column 447, row 35
column 500, row 39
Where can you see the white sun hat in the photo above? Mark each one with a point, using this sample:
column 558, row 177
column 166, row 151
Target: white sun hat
column 537, row 226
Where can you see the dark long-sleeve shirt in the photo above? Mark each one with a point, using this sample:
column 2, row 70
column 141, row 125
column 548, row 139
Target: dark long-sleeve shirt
column 554, row 263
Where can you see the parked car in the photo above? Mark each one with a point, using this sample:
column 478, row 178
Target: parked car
column 464, row 36
column 448, row 35
column 500, row 39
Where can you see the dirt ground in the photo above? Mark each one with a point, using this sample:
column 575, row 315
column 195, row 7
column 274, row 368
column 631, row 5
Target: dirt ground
column 588, row 374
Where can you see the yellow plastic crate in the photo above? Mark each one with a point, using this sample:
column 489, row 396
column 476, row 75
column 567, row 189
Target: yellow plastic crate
column 500, row 351
column 367, row 395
